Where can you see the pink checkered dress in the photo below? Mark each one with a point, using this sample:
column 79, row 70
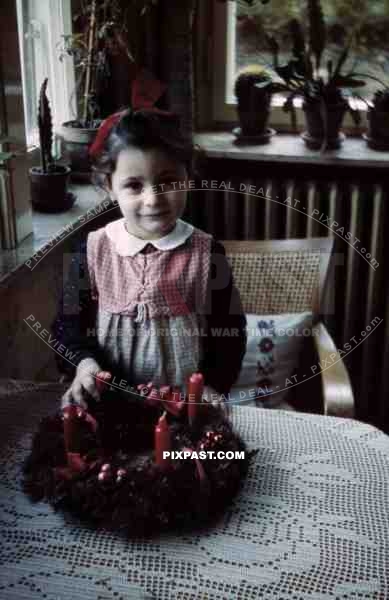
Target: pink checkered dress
column 150, row 306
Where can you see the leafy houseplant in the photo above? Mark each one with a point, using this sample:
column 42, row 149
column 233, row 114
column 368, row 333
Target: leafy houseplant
column 326, row 97
column 378, row 121
column 88, row 51
column 100, row 35
column 253, row 92
column 48, row 183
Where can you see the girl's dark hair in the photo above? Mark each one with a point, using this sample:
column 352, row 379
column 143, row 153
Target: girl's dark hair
column 145, row 130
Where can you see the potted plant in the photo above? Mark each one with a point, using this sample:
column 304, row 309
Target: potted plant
column 377, row 136
column 88, row 48
column 48, row 182
column 100, row 34
column 253, row 90
column 325, row 89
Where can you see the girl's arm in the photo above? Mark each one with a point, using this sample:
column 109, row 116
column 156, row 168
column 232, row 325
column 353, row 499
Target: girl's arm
column 225, row 342
column 75, row 322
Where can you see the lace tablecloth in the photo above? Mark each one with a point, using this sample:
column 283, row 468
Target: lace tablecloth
column 312, row 521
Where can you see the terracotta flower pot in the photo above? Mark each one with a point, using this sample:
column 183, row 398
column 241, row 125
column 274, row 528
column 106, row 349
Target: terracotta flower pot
column 49, row 190
column 315, row 132
column 378, row 129
column 254, row 112
column 75, row 142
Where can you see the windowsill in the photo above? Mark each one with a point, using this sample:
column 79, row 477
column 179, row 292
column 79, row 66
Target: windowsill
column 47, row 230
column 282, row 148
column 290, row 148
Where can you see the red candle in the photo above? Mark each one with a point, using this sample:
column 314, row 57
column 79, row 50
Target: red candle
column 153, row 398
column 145, row 388
column 195, row 394
column 102, row 380
column 73, row 416
column 163, row 442
column 164, row 391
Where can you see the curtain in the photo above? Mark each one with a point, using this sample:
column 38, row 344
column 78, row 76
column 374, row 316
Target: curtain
column 15, row 204
column 167, row 52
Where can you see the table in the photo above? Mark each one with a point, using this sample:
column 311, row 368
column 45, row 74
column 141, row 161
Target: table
column 312, row 521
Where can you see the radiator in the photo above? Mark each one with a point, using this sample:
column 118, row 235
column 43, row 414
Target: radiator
column 7, row 211
column 358, row 291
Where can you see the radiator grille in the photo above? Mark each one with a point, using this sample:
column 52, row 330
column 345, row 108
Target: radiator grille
column 7, row 213
column 357, row 292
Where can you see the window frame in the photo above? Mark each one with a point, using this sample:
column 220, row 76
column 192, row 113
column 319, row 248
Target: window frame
column 224, row 113
column 55, row 18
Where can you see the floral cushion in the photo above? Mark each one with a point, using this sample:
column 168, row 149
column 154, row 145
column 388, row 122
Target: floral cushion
column 274, row 344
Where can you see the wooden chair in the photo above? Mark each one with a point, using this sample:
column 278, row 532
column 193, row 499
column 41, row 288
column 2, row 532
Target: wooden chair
column 289, row 276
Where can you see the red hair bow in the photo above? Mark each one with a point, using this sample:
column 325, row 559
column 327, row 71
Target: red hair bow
column 145, row 92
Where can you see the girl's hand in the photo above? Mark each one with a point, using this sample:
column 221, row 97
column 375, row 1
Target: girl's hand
column 84, row 383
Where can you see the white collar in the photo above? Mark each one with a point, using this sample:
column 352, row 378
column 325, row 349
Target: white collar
column 127, row 244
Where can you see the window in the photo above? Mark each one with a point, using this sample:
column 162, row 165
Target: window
column 239, row 40
column 41, row 24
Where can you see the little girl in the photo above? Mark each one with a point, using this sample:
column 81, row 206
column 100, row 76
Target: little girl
column 149, row 296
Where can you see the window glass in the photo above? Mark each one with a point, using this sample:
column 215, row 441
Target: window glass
column 368, row 18
column 41, row 25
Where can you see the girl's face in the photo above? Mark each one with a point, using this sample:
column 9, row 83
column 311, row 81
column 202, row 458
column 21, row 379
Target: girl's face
column 146, row 185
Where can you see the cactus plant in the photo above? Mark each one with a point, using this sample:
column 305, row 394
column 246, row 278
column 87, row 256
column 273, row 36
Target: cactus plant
column 253, row 92
column 249, row 76
column 45, row 125
column 48, row 183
